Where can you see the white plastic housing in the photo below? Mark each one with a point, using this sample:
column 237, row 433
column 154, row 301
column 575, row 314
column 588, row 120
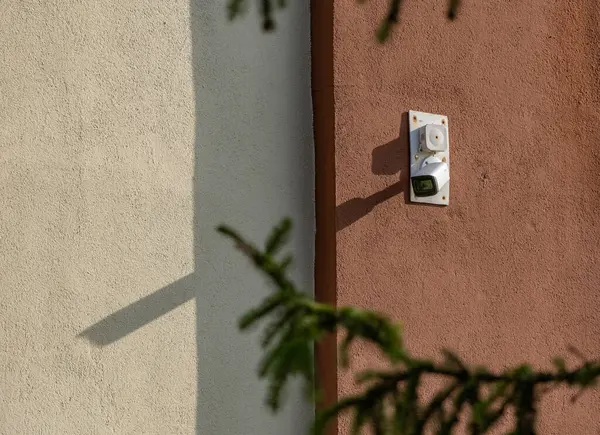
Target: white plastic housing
column 433, row 138
column 418, row 122
column 437, row 169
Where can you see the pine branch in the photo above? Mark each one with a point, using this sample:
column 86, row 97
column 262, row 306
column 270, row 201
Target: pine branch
column 389, row 402
column 237, row 8
column 390, row 21
column 297, row 321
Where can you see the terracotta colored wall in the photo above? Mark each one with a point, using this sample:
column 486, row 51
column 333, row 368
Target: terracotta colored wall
column 514, row 258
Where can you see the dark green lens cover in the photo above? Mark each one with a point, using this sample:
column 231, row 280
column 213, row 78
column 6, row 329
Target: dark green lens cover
column 424, row 185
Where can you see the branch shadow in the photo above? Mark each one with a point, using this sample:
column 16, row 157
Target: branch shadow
column 390, row 158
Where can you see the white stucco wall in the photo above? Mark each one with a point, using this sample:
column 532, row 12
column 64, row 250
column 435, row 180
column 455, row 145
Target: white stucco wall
column 128, row 131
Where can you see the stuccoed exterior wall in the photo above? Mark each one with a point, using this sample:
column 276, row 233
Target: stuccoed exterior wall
column 128, row 131
column 508, row 272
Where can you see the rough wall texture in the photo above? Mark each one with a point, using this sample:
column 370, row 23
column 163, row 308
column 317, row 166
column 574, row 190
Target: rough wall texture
column 128, row 131
column 509, row 272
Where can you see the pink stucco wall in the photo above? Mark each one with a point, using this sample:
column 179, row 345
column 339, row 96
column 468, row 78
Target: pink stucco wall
column 509, row 272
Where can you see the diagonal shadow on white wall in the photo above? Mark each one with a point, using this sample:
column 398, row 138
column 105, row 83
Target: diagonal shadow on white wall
column 253, row 165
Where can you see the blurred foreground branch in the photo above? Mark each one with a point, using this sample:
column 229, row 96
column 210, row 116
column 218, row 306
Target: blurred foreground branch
column 389, row 402
column 237, row 8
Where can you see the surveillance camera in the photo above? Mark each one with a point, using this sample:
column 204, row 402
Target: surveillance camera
column 429, row 158
column 433, row 138
column 432, row 176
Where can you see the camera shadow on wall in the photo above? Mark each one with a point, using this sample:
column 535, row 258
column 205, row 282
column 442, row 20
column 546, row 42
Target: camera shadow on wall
column 391, row 158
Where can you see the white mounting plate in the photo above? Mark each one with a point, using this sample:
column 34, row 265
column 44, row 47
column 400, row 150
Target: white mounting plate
column 416, row 120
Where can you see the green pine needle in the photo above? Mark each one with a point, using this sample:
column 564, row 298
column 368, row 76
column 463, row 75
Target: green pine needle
column 237, row 8
column 389, row 402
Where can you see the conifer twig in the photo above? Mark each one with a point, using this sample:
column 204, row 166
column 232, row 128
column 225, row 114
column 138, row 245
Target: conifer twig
column 236, row 8
column 389, row 402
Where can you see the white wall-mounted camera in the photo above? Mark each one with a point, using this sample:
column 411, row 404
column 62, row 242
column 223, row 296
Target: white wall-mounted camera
column 431, row 178
column 430, row 158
